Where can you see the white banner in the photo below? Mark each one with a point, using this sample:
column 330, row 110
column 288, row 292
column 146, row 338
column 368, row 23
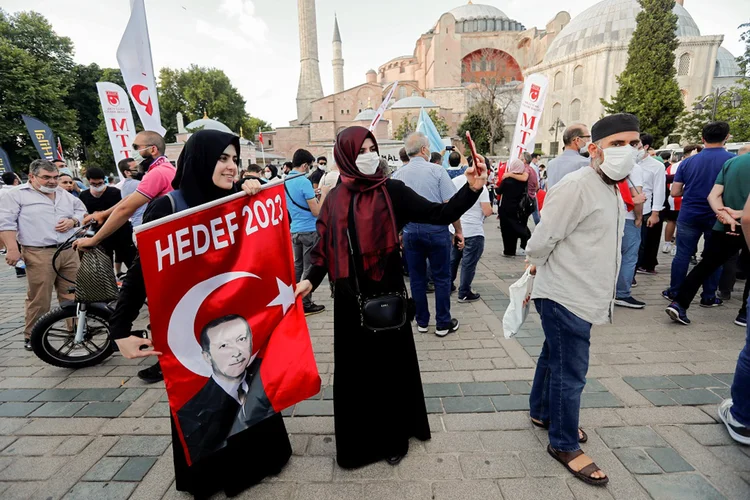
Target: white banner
column 117, row 118
column 529, row 114
column 382, row 108
column 134, row 58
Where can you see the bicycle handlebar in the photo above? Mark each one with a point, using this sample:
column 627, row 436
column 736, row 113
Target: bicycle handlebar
column 78, row 234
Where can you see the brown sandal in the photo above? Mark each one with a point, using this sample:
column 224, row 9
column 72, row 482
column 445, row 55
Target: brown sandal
column 582, row 437
column 584, row 473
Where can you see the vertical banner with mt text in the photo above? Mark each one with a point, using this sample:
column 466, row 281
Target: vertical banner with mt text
column 42, row 136
column 529, row 114
column 234, row 341
column 134, row 58
column 118, row 119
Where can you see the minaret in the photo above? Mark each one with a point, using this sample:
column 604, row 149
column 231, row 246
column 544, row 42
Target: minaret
column 310, row 87
column 338, row 59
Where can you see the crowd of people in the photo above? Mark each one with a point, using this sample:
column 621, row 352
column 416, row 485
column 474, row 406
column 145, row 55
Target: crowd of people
column 599, row 211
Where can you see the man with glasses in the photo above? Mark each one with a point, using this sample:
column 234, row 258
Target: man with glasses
column 131, row 176
column 40, row 216
column 317, row 174
column 576, row 139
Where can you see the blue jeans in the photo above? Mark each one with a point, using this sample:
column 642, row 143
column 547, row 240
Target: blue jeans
column 741, row 385
column 535, row 215
column 468, row 258
column 560, row 373
column 688, row 235
column 424, row 242
column 631, row 242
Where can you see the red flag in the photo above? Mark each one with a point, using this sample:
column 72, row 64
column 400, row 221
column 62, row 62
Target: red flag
column 235, row 344
column 60, row 150
column 626, row 196
column 260, row 137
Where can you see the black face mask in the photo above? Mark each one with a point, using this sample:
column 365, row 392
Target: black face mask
column 146, row 163
column 137, row 176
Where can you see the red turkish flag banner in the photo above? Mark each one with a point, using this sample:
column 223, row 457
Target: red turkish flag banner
column 220, row 284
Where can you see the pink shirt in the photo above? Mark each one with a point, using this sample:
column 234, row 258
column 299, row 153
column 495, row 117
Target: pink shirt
column 158, row 180
column 533, row 181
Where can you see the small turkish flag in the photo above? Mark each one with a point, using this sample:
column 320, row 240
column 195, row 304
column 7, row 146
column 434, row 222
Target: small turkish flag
column 260, row 137
column 235, row 344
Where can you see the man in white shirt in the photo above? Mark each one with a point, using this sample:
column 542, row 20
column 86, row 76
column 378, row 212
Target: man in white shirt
column 467, row 253
column 575, row 254
column 654, row 187
column 631, row 242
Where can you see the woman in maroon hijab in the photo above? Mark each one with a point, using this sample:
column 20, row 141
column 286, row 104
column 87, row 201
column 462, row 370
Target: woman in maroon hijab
column 377, row 394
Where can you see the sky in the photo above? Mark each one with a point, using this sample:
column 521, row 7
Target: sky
column 256, row 42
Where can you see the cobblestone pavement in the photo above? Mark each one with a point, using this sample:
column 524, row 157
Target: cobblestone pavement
column 649, row 409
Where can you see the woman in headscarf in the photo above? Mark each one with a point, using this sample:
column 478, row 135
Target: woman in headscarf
column 270, row 173
column 513, row 226
column 378, row 401
column 206, row 171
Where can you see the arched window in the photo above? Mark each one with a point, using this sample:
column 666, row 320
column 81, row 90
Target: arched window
column 556, row 110
column 402, row 92
column 558, row 80
column 482, row 25
column 683, row 68
column 483, row 65
column 578, row 76
column 575, row 110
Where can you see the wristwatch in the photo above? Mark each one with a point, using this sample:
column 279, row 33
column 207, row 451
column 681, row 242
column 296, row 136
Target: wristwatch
column 76, row 222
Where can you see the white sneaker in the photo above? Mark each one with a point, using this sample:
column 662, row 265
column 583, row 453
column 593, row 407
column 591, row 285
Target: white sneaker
column 666, row 248
column 521, row 252
column 422, row 329
column 674, row 250
column 737, row 431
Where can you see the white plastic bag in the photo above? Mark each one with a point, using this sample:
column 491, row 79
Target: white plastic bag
column 520, row 301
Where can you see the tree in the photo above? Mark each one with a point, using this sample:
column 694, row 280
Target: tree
column 744, row 59
column 691, row 122
column 647, row 87
column 84, row 98
column 34, row 80
column 409, row 124
column 252, row 125
column 476, row 123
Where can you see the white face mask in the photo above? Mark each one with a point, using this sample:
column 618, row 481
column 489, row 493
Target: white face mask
column 585, row 148
column 641, row 155
column 618, row 162
column 47, row 190
column 368, row 163
column 267, row 175
column 98, row 189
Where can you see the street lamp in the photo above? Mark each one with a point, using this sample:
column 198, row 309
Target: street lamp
column 735, row 102
column 556, row 127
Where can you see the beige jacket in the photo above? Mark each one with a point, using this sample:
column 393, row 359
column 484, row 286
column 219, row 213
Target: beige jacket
column 576, row 247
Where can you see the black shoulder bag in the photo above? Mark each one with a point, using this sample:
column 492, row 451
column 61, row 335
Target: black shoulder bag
column 380, row 313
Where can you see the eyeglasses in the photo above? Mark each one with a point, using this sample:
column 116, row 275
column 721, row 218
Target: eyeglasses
column 136, row 147
column 323, row 164
column 47, row 178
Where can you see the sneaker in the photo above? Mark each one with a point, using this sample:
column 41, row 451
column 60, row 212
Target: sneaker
column 27, row 344
column 430, row 287
column 741, row 320
column 422, row 329
column 641, row 270
column 453, row 288
column 314, row 309
column 737, row 431
column 634, row 283
column 677, row 313
column 674, row 250
column 508, row 256
column 694, row 260
column 152, row 374
column 630, row 303
column 666, row 248
column 471, row 297
column 521, row 252
column 724, row 296
column 668, row 296
column 715, row 302
column 442, row 332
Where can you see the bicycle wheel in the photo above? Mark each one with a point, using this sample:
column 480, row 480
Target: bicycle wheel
column 53, row 337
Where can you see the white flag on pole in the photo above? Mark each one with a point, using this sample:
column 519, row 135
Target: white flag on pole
column 118, row 119
column 134, row 58
column 382, row 108
column 529, row 114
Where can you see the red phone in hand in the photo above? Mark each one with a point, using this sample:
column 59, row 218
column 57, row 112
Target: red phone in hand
column 474, row 154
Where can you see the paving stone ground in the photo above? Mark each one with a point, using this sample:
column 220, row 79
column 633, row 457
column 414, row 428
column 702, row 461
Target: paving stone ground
column 649, row 409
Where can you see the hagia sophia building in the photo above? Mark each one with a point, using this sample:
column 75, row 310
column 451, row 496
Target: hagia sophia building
column 473, row 44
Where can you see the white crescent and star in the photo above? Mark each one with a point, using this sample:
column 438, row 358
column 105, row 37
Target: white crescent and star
column 186, row 348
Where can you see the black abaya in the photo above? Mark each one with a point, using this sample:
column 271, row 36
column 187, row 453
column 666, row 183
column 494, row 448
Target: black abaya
column 512, row 227
column 377, row 393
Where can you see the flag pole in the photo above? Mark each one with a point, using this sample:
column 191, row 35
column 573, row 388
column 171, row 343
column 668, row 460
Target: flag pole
column 262, row 150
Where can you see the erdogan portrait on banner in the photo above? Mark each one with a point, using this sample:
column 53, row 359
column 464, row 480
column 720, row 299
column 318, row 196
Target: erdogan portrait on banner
column 233, row 399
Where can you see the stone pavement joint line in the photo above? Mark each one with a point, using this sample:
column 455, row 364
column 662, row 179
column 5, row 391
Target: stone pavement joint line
column 649, row 408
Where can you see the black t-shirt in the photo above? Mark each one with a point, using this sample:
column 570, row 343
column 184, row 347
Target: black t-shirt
column 109, row 198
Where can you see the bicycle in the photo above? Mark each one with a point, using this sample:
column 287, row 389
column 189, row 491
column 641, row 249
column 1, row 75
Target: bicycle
column 74, row 334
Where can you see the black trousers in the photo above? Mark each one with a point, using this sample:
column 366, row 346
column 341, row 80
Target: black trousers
column 129, row 302
column 650, row 241
column 719, row 249
column 729, row 275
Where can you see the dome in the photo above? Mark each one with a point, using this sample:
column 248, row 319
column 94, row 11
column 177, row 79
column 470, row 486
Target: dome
column 607, row 22
column 414, row 101
column 477, row 11
column 371, row 72
column 208, row 124
column 726, row 64
column 365, row 116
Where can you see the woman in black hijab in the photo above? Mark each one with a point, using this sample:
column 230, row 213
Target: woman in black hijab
column 206, row 171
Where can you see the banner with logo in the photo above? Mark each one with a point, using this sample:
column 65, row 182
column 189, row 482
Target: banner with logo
column 529, row 114
column 5, row 165
column 234, row 342
column 134, row 58
column 118, row 119
column 42, row 136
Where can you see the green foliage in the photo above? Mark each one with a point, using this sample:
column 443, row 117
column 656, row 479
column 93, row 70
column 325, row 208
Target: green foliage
column 34, row 80
column 477, row 123
column 744, row 59
column 647, row 87
column 409, row 124
column 84, row 99
column 691, row 122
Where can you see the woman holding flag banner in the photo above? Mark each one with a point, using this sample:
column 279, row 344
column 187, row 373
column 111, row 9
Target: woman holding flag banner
column 377, row 397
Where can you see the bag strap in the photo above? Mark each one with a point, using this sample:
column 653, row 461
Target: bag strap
column 178, row 201
column 290, row 197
